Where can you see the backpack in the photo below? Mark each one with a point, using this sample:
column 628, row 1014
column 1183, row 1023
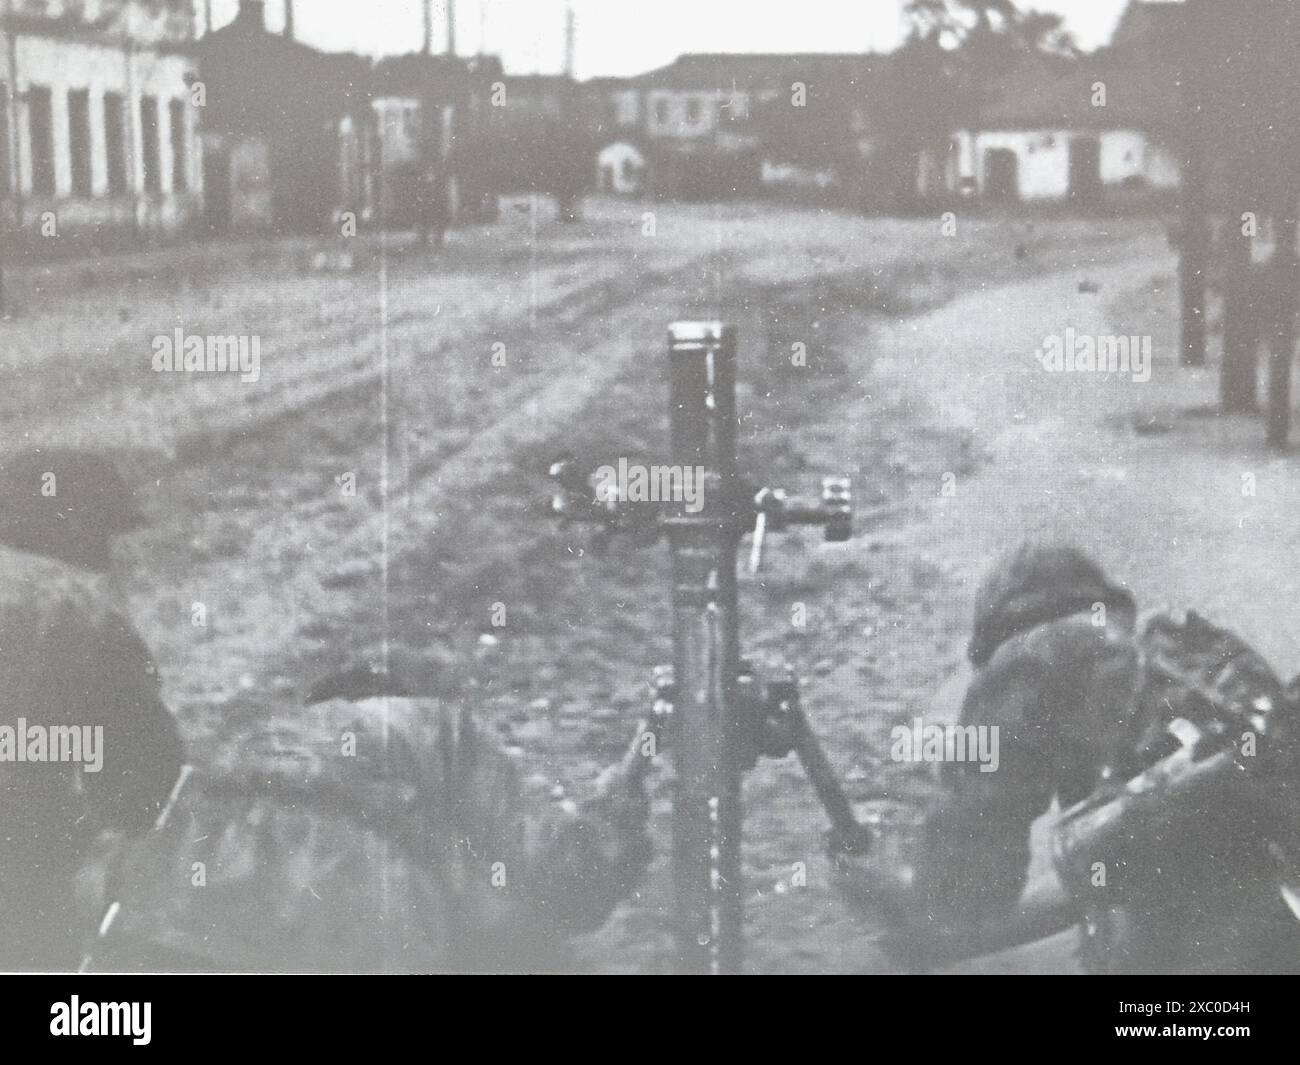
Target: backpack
column 1193, row 670
column 1205, row 696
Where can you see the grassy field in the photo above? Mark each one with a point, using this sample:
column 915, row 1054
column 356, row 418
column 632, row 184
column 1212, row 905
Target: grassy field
column 443, row 385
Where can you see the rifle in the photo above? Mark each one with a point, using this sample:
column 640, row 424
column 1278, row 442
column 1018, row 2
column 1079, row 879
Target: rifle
column 716, row 718
column 1195, row 775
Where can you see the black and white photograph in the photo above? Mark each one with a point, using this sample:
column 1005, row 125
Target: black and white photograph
column 595, row 487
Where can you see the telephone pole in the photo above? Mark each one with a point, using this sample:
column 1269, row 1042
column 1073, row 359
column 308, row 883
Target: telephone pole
column 570, row 39
column 15, row 175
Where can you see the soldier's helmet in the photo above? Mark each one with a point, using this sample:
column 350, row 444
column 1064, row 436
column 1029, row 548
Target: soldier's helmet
column 64, row 503
column 1033, row 585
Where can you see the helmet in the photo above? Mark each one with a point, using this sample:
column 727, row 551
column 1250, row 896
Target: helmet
column 1035, row 584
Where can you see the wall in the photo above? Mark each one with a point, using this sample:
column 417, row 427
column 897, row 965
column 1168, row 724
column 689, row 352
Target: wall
column 64, row 64
column 668, row 112
column 1044, row 160
column 1128, row 154
column 398, row 119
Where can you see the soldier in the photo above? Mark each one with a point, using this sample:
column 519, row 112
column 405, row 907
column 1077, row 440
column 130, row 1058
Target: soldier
column 374, row 833
column 367, row 831
column 71, row 666
column 1169, row 743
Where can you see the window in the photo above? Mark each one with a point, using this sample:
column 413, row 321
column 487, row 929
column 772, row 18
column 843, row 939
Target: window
column 41, row 131
column 661, row 112
column 115, row 143
column 79, row 141
column 5, row 186
column 149, row 143
column 180, row 147
column 693, row 110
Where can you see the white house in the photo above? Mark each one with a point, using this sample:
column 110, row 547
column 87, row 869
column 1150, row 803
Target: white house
column 1056, row 163
column 1059, row 130
column 98, row 124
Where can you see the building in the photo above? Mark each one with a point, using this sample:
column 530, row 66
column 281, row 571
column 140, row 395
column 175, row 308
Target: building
column 98, row 122
column 531, row 133
column 1047, row 129
column 726, row 124
column 1065, row 130
column 417, row 103
column 1057, row 129
column 528, row 97
column 272, row 125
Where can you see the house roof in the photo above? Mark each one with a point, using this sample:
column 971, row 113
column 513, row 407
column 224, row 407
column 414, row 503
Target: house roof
column 1058, row 94
column 539, row 82
column 417, row 73
column 256, row 79
column 748, row 71
column 245, row 42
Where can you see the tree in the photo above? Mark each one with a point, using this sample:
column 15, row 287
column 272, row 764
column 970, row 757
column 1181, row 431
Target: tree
column 984, row 23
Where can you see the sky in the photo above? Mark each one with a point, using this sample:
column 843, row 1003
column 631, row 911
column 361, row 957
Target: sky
column 622, row 37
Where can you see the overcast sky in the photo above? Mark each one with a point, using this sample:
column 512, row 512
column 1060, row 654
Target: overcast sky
column 631, row 36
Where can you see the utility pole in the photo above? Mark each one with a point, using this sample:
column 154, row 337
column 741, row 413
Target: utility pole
column 11, row 103
column 134, row 132
column 11, row 133
column 1194, row 255
column 570, row 40
column 435, row 132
